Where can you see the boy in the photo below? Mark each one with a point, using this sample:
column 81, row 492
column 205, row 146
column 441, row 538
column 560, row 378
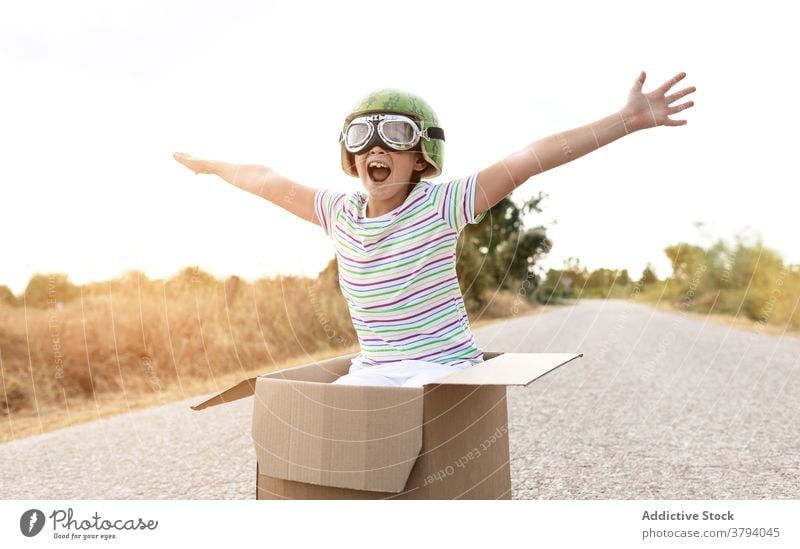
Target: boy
column 395, row 244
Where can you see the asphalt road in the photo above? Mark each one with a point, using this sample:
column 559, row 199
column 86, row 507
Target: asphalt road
column 661, row 406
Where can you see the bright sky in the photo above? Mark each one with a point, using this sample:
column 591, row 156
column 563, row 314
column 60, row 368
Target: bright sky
column 96, row 96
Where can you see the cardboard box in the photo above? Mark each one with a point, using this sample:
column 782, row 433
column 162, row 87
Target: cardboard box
column 446, row 440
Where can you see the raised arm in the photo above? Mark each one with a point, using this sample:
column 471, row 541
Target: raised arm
column 640, row 112
column 260, row 181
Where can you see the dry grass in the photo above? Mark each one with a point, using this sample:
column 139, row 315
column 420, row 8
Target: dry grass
column 129, row 344
column 51, row 416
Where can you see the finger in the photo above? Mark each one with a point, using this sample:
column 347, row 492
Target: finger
column 678, row 95
column 671, row 82
column 679, row 108
column 639, row 82
column 670, row 122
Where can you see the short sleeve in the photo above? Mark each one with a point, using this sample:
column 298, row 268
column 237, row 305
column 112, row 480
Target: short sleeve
column 327, row 205
column 455, row 201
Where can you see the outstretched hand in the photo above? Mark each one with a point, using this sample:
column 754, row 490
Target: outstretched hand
column 647, row 110
column 197, row 165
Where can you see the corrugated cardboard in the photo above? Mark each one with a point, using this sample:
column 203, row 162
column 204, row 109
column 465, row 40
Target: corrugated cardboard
column 448, row 439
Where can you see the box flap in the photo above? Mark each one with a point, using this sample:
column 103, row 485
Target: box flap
column 348, row 436
column 323, row 371
column 509, row 369
column 242, row 389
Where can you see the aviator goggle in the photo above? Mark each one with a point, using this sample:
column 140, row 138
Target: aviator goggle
column 396, row 131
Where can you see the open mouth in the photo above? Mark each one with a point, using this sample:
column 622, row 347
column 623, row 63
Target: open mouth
column 378, row 171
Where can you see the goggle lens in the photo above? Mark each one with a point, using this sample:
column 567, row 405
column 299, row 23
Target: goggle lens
column 357, row 134
column 399, row 132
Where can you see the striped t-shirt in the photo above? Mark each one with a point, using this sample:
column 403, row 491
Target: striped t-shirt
column 398, row 272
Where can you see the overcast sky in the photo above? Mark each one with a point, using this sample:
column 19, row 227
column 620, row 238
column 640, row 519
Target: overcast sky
column 96, row 96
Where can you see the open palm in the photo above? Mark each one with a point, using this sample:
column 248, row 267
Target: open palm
column 647, row 110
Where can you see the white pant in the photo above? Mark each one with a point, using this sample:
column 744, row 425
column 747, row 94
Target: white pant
column 402, row 373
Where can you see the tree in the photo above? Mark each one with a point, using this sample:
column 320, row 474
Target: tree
column 601, row 278
column 507, row 250
column 648, row 275
column 553, row 287
column 474, row 276
column 499, row 226
column 687, row 261
column 574, row 274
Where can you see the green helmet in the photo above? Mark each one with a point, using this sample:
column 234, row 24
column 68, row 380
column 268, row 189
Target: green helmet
column 399, row 102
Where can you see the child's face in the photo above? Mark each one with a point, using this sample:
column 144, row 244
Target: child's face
column 394, row 176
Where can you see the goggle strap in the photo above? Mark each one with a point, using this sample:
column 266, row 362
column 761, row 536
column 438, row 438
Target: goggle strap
column 435, row 133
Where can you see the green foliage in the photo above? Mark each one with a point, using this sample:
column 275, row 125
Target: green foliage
column 744, row 278
column 687, row 261
column 648, row 276
column 575, row 281
column 602, row 278
column 500, row 252
column 555, row 286
column 567, row 283
column 474, row 276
